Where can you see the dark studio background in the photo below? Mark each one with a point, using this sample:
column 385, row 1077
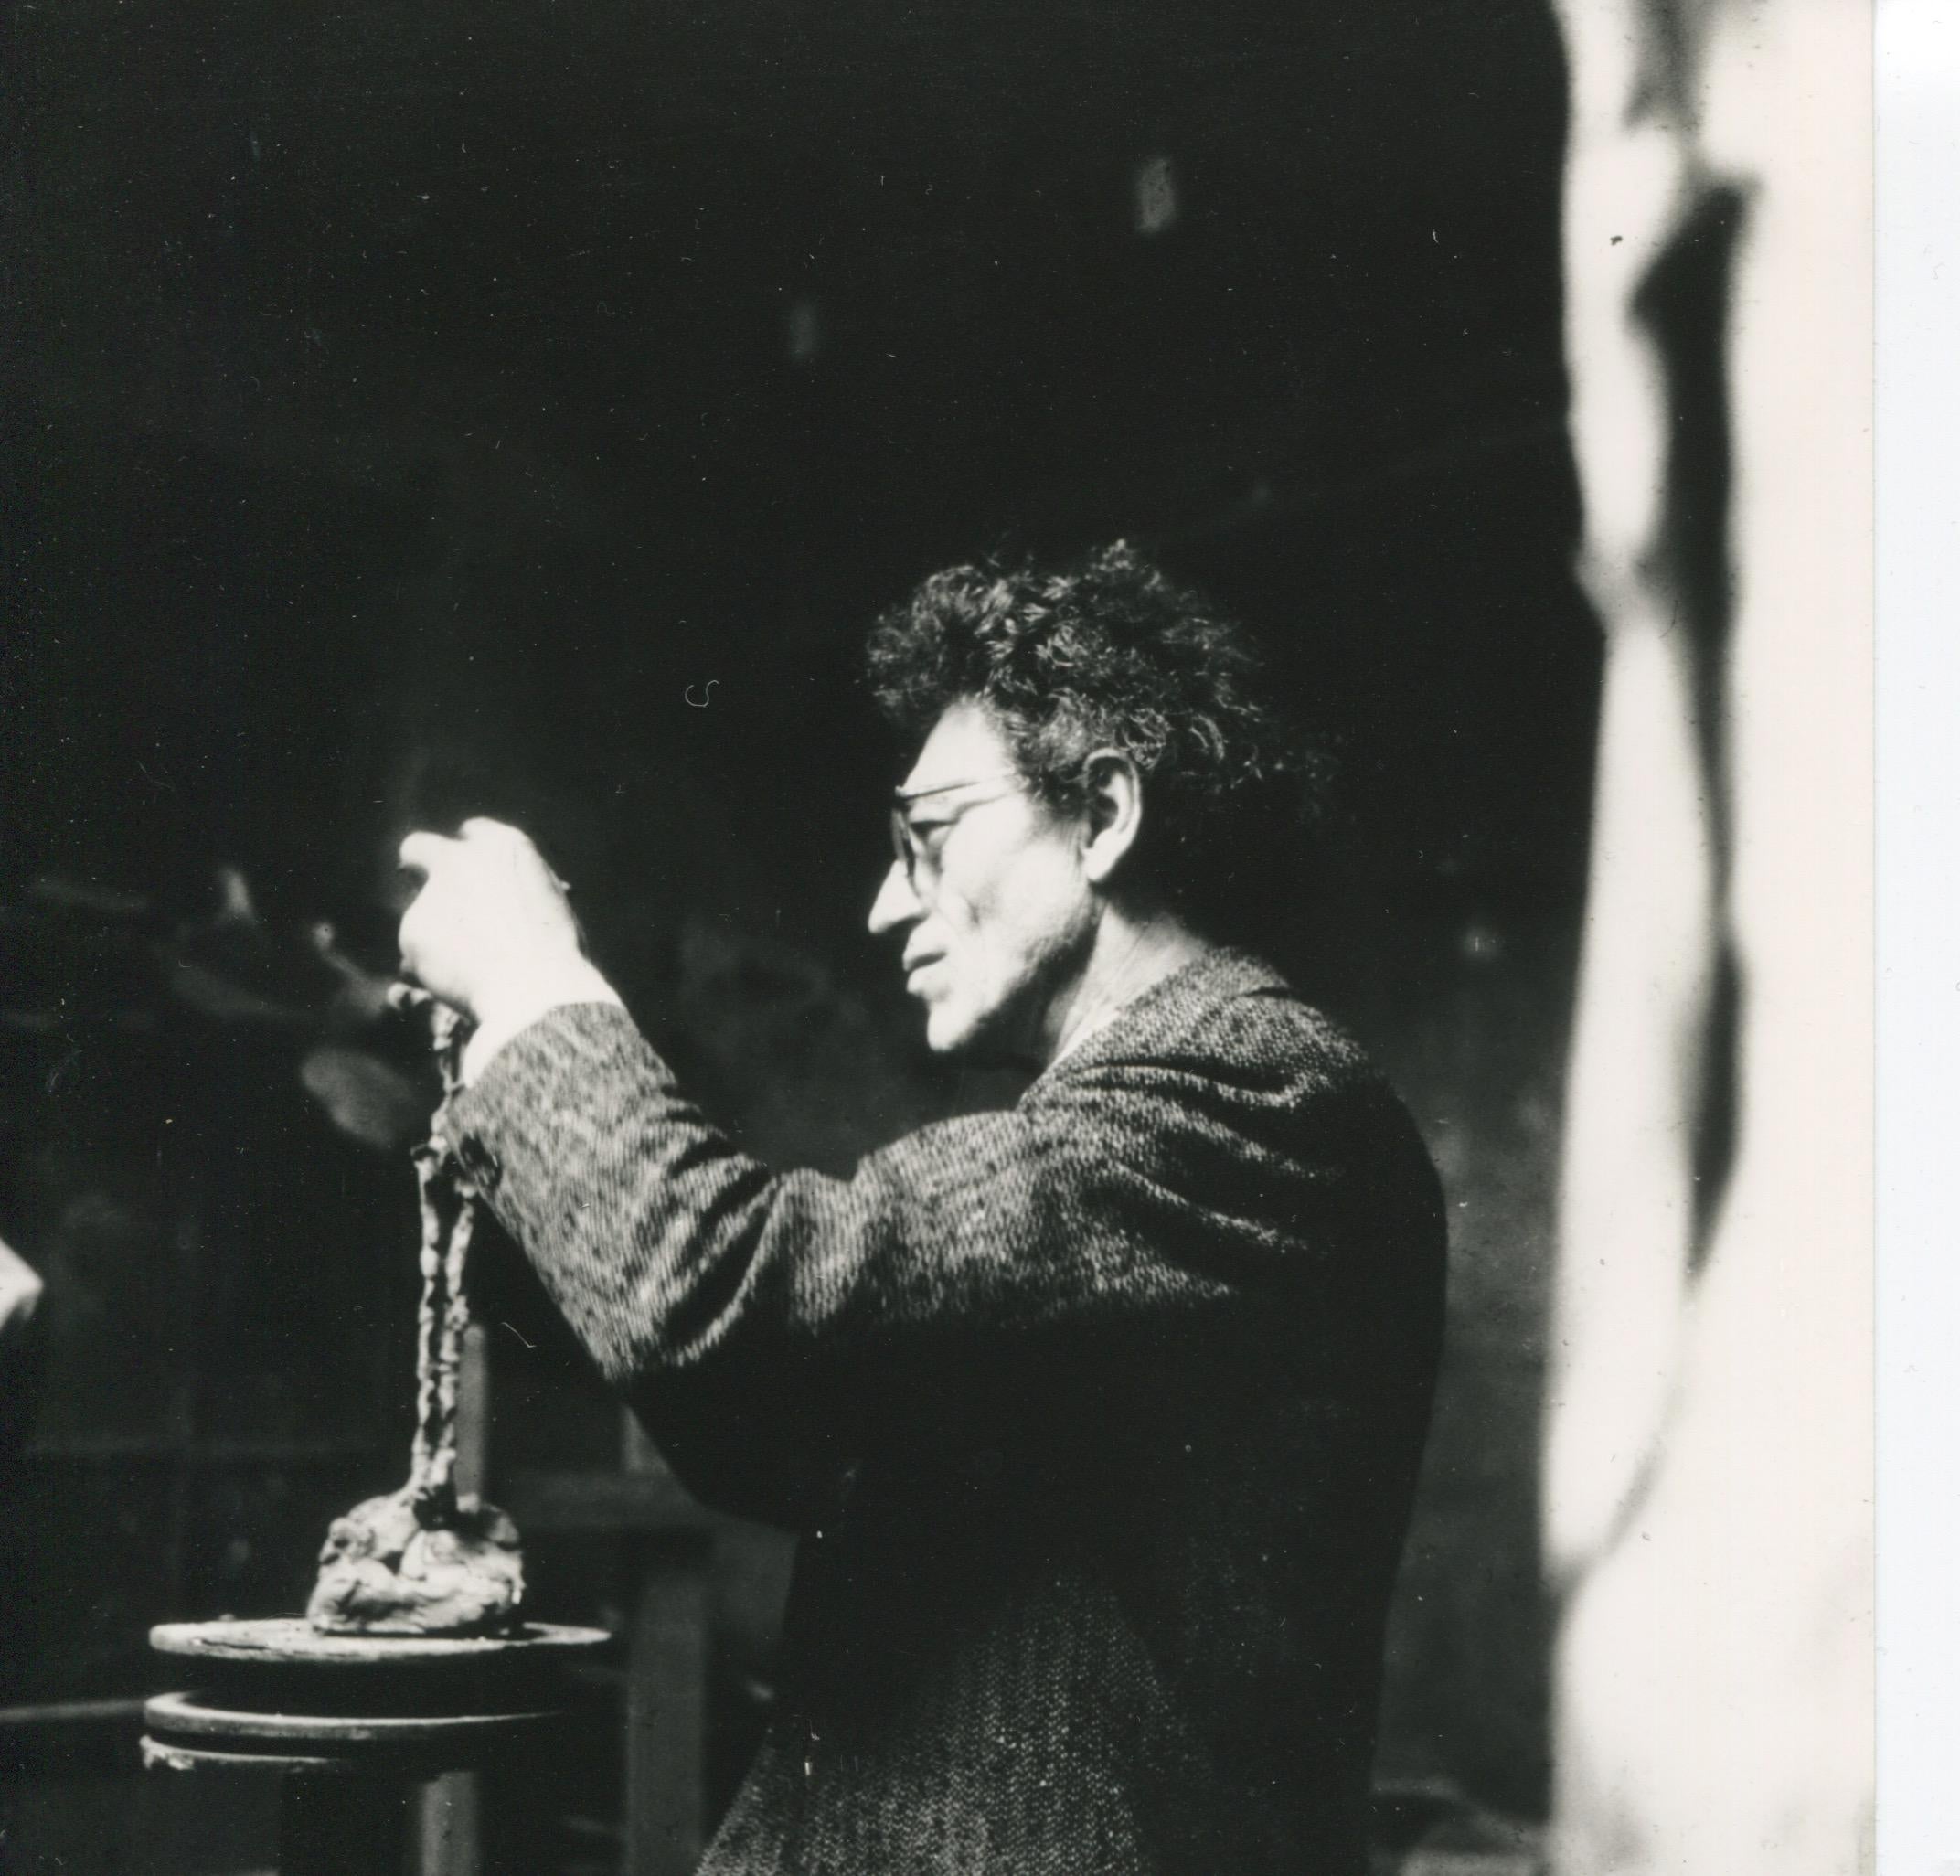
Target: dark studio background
column 410, row 410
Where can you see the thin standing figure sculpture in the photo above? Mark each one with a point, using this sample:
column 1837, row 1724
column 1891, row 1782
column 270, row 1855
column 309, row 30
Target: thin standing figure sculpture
column 422, row 1560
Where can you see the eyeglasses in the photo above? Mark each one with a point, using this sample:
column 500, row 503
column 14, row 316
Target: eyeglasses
column 916, row 847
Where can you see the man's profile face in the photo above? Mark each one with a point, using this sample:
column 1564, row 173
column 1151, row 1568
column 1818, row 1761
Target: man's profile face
column 997, row 916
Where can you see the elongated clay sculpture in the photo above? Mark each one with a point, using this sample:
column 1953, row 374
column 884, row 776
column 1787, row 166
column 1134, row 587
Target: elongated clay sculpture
column 422, row 1561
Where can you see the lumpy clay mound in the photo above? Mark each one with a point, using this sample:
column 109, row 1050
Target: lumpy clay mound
column 384, row 1571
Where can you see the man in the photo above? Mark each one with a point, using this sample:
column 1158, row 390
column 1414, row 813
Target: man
column 1100, row 1416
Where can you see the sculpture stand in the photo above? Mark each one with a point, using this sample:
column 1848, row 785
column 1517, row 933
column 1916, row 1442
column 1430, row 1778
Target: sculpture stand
column 355, row 1724
column 358, row 1704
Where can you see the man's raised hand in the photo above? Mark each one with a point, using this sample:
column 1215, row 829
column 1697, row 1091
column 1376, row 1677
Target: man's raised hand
column 492, row 933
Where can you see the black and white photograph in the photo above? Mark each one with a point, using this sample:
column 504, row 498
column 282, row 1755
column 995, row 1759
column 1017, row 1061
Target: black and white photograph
column 936, row 939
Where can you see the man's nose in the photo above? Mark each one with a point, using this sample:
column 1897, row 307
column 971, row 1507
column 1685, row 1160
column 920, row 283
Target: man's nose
column 896, row 904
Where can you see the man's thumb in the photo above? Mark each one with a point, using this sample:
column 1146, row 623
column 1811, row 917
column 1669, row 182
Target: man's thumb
column 423, row 853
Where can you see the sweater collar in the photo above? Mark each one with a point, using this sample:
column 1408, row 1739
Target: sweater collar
column 1177, row 999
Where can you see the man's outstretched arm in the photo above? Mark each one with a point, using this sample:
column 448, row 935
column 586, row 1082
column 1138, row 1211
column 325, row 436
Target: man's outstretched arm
column 711, row 1289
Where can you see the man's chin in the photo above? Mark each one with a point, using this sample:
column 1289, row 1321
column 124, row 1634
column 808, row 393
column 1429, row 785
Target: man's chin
column 973, row 1039
column 947, row 1032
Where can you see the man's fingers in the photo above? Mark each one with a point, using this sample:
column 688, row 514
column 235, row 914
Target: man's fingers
column 518, row 847
column 423, row 853
column 481, row 827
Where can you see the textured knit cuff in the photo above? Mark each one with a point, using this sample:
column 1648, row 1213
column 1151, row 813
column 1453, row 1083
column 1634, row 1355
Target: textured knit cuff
column 513, row 1110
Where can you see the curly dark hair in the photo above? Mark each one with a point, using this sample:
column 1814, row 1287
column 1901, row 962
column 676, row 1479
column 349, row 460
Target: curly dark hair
column 1109, row 654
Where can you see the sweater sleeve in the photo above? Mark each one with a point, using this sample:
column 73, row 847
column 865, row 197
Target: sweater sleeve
column 749, row 1315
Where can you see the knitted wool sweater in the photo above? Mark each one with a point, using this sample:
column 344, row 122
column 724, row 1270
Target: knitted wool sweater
column 1099, row 1417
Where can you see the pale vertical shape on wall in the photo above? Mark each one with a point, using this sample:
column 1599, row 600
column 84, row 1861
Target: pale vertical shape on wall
column 1709, row 1458
column 1626, row 1211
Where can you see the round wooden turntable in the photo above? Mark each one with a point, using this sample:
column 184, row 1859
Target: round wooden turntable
column 355, row 1722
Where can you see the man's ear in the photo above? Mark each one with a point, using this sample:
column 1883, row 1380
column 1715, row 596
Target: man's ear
column 1114, row 815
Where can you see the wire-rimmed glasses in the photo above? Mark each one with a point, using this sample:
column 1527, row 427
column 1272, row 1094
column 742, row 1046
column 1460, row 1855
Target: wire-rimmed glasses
column 916, row 844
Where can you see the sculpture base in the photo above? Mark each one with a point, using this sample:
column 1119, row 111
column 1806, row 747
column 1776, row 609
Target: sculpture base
column 356, row 1723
